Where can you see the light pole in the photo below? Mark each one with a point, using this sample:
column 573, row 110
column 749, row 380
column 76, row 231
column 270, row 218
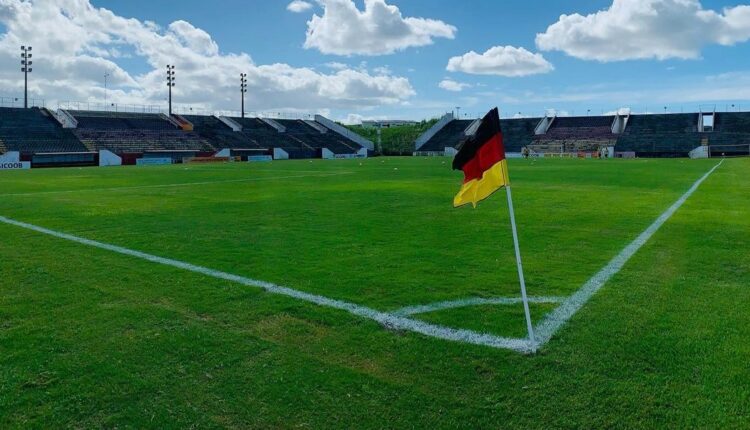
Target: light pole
column 458, row 112
column 26, row 69
column 106, row 75
column 170, row 84
column 243, row 90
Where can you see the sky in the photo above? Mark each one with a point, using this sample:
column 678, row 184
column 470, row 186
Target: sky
column 383, row 59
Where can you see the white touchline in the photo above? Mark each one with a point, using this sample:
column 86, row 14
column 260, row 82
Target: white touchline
column 471, row 301
column 178, row 184
column 386, row 319
column 557, row 318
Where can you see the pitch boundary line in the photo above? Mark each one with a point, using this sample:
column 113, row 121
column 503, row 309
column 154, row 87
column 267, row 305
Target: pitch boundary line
column 554, row 320
column 386, row 319
column 174, row 185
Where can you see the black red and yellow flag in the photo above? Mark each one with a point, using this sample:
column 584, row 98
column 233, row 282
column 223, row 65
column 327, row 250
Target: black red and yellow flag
column 482, row 159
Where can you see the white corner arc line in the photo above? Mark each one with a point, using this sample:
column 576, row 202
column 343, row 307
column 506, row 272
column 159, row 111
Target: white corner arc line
column 386, row 319
column 557, row 318
column 471, row 301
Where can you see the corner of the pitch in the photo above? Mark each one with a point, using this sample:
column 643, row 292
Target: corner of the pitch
column 532, row 347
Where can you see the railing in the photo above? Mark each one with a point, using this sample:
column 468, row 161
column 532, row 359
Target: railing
column 17, row 102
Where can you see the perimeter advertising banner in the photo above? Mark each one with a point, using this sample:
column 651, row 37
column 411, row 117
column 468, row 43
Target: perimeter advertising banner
column 15, row 165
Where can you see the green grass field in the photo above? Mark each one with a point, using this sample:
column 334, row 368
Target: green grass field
column 93, row 338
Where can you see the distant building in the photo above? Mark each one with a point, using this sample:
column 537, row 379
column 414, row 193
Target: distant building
column 387, row 123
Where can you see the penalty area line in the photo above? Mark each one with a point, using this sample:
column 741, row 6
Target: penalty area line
column 553, row 321
column 388, row 320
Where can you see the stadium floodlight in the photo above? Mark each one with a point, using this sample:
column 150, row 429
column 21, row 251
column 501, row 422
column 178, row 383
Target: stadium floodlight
column 106, row 75
column 243, row 90
column 26, row 69
column 170, row 84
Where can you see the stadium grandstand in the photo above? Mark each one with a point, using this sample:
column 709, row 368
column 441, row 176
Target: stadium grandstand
column 70, row 137
column 622, row 135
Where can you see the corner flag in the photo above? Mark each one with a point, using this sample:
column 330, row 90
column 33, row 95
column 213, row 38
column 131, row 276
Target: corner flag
column 482, row 159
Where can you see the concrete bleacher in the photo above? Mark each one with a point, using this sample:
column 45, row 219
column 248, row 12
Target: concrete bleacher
column 517, row 133
column 660, row 135
column 574, row 134
column 126, row 132
column 449, row 136
column 121, row 121
column 732, row 122
column 136, row 141
column 33, row 130
column 220, row 135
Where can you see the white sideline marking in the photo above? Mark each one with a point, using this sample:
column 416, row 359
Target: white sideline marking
column 557, row 318
column 179, row 184
column 471, row 301
column 386, row 319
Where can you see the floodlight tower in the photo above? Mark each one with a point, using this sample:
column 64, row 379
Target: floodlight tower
column 243, row 90
column 26, row 69
column 170, row 84
column 106, row 75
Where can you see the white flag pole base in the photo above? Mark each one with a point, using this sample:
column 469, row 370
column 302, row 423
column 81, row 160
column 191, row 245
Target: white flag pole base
column 520, row 270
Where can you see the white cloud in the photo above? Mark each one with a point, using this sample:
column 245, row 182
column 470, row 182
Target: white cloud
column 379, row 29
column 352, row 119
column 619, row 111
column 336, row 66
column 81, row 42
column 451, row 85
column 641, row 29
column 506, row 61
column 358, row 119
column 299, row 6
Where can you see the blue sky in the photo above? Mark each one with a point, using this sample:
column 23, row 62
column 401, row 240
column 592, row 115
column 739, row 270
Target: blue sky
column 678, row 54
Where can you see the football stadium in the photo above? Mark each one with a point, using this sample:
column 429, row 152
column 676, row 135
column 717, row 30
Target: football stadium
column 353, row 249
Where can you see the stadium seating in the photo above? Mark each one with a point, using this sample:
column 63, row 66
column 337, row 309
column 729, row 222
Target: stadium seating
column 33, row 131
column 518, row 132
column 732, row 122
column 662, row 135
column 448, row 137
column 125, row 132
column 134, row 141
column 574, row 134
column 121, row 121
column 220, row 135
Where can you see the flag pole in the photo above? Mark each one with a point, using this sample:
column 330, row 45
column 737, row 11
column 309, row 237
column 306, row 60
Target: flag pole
column 520, row 269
